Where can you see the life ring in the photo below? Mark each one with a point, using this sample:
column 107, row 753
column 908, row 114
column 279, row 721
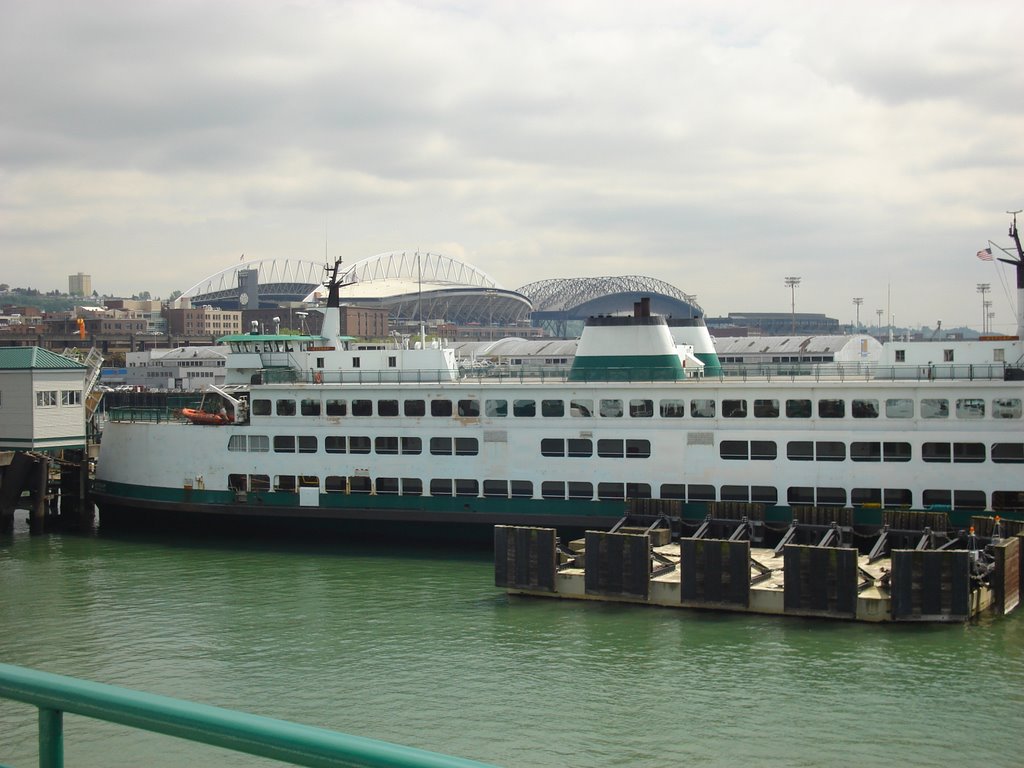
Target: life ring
column 318, row 377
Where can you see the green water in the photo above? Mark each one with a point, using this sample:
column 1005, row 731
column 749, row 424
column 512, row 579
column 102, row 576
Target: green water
column 417, row 647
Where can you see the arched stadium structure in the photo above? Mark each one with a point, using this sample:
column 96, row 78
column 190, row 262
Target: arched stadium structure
column 561, row 305
column 279, row 280
column 415, row 285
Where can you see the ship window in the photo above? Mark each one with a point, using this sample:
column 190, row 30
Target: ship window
column 337, row 407
column 610, row 449
column 827, row 450
column 362, row 407
column 552, row 408
column 702, row 408
column 700, row 492
column 734, row 409
column 284, row 444
column 932, row 498
column 284, row 483
column 1008, row 453
column 360, row 484
column 467, row 488
column 285, row 407
column 521, row 489
column 236, row 443
column 831, row 409
column 1006, row 408
column 392, row 361
column 359, row 445
column 672, row 409
column 611, row 408
column 260, row 407
column 763, row 450
column 935, row 452
column 385, row 446
column 259, row 444
column 934, row 408
column 552, row 489
column 896, row 497
column 611, row 491
column 899, row 408
column 864, row 409
column 309, row 481
column 798, row 409
column 968, row 453
column 641, row 409
column 355, row 362
column 638, row 449
column 947, row 355
column 496, row 408
column 466, row 446
column 578, row 490
column 969, row 499
column 831, row 497
column 734, row 449
column 440, row 446
column 307, row 443
column 766, row 409
column 580, row 447
column 800, row 450
column 440, row 487
column 799, row 495
column 259, row 483
column 237, row 482
column 412, row 486
column 1004, row 500
column 970, row 408
column 387, row 407
column 440, row 407
column 309, row 407
column 469, row 408
column 735, row 493
column 552, row 446
column 412, row 445
column 334, row 444
column 496, row 489
column 524, row 407
column 865, row 451
column 764, row 494
column 386, row 486
column 901, row 355
column 414, row 408
column 584, row 408
column 895, row 451
column 673, row 491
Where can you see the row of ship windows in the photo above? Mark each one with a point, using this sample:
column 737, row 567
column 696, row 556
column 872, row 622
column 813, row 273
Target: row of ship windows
column 828, row 450
column 697, row 408
column 557, row 489
column 438, row 446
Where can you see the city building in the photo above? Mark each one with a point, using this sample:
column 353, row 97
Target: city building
column 80, row 285
column 203, row 321
column 178, row 368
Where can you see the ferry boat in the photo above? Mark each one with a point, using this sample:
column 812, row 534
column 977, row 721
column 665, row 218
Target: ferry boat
column 326, row 428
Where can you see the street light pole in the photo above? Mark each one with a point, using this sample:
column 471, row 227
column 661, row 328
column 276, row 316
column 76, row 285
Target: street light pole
column 792, row 283
column 879, row 312
column 984, row 288
column 857, row 302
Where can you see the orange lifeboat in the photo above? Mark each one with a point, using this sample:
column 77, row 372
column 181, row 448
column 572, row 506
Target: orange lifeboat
column 204, row 417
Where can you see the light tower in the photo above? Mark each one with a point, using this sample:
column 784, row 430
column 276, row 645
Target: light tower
column 792, row 283
column 857, row 301
column 879, row 312
column 984, row 288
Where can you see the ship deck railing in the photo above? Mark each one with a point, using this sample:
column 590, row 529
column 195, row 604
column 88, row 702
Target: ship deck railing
column 292, row 743
column 534, row 374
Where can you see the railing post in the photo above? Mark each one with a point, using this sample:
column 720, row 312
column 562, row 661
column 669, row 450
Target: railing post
column 51, row 738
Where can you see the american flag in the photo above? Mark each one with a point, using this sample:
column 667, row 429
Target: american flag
column 985, row 255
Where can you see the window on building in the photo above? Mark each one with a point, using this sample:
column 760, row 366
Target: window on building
column 899, row 408
column 285, row 407
column 412, row 445
column 578, row 447
column 901, row 355
column 387, row 407
column 734, row 409
column 46, row 398
column 284, row 444
column 864, row 409
column 334, row 444
column 71, row 397
column 309, row 407
column 358, row 444
column 552, row 446
column 385, row 446
column 440, row 407
column 611, row 408
column 553, row 408
column 641, row 409
column 798, row 409
column 469, row 408
column 362, row 407
column 829, row 408
column 970, row 408
column 524, row 408
column 307, row 443
column 702, row 408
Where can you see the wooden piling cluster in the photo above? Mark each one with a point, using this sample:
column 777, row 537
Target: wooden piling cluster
column 54, row 490
column 634, row 565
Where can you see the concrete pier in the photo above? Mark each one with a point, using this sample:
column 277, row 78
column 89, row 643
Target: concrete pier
column 824, row 581
column 53, row 489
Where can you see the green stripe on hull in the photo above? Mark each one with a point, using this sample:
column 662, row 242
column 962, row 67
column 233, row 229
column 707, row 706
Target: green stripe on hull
column 627, row 368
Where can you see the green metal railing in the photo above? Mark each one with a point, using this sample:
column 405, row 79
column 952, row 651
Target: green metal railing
column 239, row 731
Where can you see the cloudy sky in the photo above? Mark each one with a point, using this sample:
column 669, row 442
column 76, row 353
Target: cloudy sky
column 870, row 148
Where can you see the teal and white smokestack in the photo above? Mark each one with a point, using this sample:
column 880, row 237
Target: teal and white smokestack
column 693, row 331
column 638, row 348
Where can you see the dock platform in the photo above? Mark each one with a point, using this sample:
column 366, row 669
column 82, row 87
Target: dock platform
column 945, row 579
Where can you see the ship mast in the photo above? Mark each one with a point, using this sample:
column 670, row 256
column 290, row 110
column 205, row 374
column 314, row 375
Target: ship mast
column 332, row 314
column 1019, row 264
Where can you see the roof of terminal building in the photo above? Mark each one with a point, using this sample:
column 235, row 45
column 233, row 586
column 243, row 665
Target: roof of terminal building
column 796, row 344
column 23, row 358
